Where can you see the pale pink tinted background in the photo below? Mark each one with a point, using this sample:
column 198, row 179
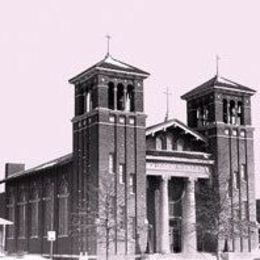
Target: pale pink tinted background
column 44, row 43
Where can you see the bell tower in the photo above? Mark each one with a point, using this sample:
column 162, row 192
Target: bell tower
column 109, row 155
column 220, row 109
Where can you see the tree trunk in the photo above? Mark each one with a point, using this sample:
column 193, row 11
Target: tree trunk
column 218, row 249
column 218, row 255
column 107, row 241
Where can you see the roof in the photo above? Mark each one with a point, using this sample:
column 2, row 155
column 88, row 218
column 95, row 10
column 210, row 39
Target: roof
column 110, row 64
column 218, row 82
column 5, row 222
column 174, row 123
column 56, row 162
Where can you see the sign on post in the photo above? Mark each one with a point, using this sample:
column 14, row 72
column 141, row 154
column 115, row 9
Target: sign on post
column 51, row 237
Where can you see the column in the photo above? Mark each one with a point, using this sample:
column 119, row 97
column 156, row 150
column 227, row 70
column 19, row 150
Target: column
column 88, row 101
column 115, row 97
column 236, row 110
column 228, row 112
column 189, row 234
column 4, row 235
column 125, row 90
column 165, row 243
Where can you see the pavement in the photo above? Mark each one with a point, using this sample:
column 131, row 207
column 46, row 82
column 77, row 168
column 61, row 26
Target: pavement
column 26, row 257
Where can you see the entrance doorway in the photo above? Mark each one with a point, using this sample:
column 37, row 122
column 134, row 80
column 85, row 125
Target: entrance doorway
column 175, row 235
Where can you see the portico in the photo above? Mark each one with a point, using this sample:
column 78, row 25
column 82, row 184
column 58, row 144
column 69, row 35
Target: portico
column 171, row 186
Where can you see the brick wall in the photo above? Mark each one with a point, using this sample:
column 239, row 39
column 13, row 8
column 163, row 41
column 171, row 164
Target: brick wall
column 2, row 205
column 95, row 137
column 40, row 244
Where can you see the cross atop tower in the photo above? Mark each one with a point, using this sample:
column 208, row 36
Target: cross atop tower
column 217, row 65
column 108, row 44
column 167, row 93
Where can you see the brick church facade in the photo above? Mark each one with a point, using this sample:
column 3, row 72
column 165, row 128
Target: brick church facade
column 127, row 188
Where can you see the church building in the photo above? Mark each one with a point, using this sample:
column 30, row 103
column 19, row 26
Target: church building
column 127, row 188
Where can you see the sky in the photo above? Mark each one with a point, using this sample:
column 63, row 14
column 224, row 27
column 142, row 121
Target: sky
column 45, row 43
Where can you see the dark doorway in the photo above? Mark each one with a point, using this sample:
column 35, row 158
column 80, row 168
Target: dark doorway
column 175, row 235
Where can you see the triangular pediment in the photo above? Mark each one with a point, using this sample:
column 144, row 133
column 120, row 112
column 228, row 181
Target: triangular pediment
column 174, row 123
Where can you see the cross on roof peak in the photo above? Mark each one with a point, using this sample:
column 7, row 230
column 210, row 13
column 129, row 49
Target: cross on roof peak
column 217, row 65
column 167, row 93
column 108, row 44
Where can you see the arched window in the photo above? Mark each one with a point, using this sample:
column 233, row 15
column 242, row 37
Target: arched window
column 199, row 116
column 159, row 143
column 225, row 111
column 120, row 97
column 130, row 98
column 205, row 116
column 48, row 206
column 240, row 114
column 81, row 102
column 88, row 101
column 63, row 208
column 111, row 97
column 232, row 112
column 169, row 142
column 11, row 213
column 180, row 144
column 202, row 115
column 21, row 213
column 34, row 202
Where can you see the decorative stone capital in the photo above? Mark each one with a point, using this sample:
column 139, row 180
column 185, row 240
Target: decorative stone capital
column 192, row 179
column 165, row 178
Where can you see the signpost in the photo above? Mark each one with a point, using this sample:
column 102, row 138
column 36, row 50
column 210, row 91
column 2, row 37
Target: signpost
column 51, row 238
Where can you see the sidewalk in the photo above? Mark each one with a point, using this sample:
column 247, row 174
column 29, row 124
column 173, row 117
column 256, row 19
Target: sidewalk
column 26, row 257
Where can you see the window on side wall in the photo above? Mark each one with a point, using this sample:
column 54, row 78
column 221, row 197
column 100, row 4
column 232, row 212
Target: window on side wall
column 34, row 202
column 11, row 214
column 243, row 172
column 21, row 214
column 111, row 166
column 121, row 176
column 63, row 209
column 132, row 183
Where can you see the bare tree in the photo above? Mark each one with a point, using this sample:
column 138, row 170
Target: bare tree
column 98, row 216
column 216, row 220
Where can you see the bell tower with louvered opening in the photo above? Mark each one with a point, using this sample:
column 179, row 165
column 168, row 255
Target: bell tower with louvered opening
column 109, row 152
column 220, row 109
